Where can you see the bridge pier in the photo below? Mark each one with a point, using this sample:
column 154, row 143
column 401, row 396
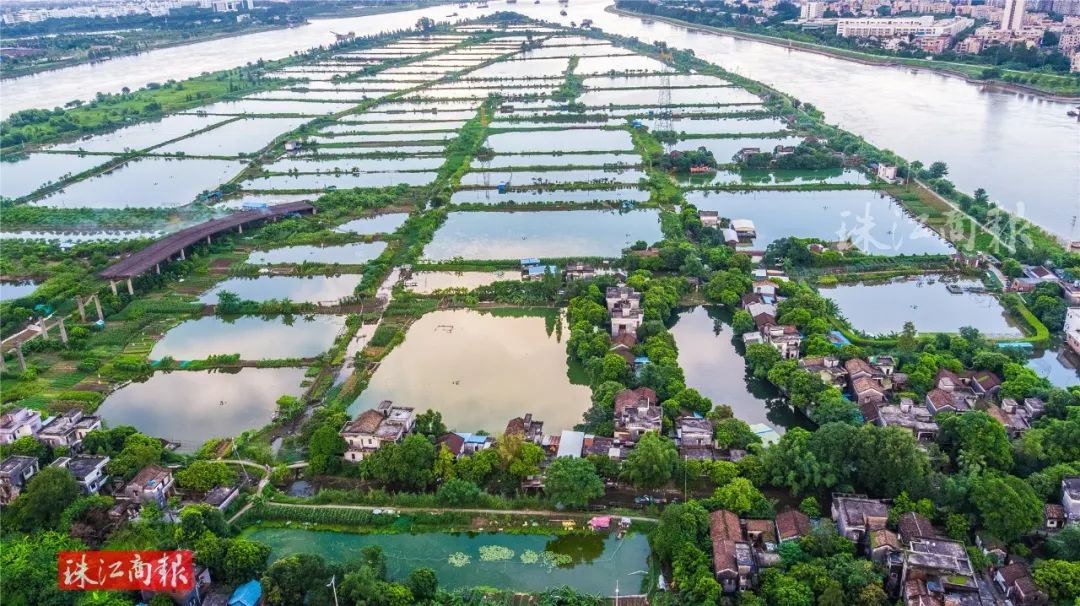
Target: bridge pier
column 157, row 268
column 208, row 240
column 97, row 304
column 240, row 228
column 183, row 256
column 131, row 291
column 22, row 358
column 82, row 308
column 63, row 332
column 44, row 328
column 112, row 285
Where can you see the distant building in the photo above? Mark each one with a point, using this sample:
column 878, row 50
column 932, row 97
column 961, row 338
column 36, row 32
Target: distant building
column 811, row 11
column 1012, row 20
column 571, row 444
column 709, row 218
column 1072, row 320
column 15, row 472
column 891, row 27
column 886, row 172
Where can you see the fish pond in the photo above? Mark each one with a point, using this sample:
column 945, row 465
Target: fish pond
column 311, row 289
column 566, row 140
column 192, row 407
column 544, row 196
column 451, row 361
column 710, row 355
column 253, row 337
column 377, row 224
column 590, row 563
column 29, row 173
column 346, row 254
column 427, row 282
column 551, row 234
column 879, row 309
column 772, row 178
column 875, row 223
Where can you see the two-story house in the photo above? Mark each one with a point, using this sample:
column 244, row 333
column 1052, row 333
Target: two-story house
column 636, row 412
column 15, row 472
column 69, row 429
column 153, row 484
column 372, row 428
column 733, row 559
column 17, row 423
column 89, row 471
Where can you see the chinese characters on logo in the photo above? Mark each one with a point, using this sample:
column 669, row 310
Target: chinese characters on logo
column 125, row 570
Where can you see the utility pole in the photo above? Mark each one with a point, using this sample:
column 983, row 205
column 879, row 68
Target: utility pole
column 247, row 479
column 333, row 587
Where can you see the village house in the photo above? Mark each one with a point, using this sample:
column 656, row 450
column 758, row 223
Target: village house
column 694, row 431
column 916, row 419
column 1013, row 417
column 1072, row 323
column 913, row 526
column 17, row 423
column 937, row 571
column 153, row 484
column 570, row 444
column 867, row 391
column 636, row 412
column 1070, row 497
column 792, row 525
column 733, row 560
column 856, row 515
column 709, row 218
column 1054, row 517
column 882, row 545
column 623, row 346
column 828, row 369
column 381, row 425
column 1015, row 582
column 15, row 472
column 984, row 383
column 529, row 429
column 603, row 446
column 731, row 237
column 624, row 307
column 744, row 228
column 69, row 429
column 186, row 597
column 784, row 339
column 579, row 270
column 940, row 400
column 88, row 470
column 858, row 369
column 221, row 497
column 762, row 537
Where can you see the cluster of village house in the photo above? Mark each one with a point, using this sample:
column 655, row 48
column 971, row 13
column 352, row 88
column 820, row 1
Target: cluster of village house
column 153, row 484
column 923, row 567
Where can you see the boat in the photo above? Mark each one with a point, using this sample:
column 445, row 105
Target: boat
column 452, row 15
column 463, row 5
column 563, row 13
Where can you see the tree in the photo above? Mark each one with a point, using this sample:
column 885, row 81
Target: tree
column 404, row 466
column 761, row 357
column 779, row 588
column 244, row 560
column 422, row 583
column 1058, row 578
column 740, row 496
column 1007, row 506
column 444, row 464
column 425, row 24
column 572, row 482
column 742, row 322
column 1012, row 268
column 938, row 170
column 458, row 492
column 205, row 475
column 810, row 507
column 430, row 424
column 27, row 446
column 651, row 462
column 975, row 439
column 138, row 452
column 30, row 566
column 889, row 460
column 324, row 450
column 44, row 499
column 288, row 580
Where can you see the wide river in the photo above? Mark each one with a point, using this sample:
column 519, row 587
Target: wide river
column 1024, row 151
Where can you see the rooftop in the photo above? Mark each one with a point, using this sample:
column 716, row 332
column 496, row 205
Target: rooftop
column 82, row 466
column 15, row 464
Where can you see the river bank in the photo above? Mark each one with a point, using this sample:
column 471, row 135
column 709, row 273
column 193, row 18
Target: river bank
column 862, row 58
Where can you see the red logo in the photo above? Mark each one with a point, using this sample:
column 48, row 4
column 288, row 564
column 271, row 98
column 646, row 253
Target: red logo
column 126, row 570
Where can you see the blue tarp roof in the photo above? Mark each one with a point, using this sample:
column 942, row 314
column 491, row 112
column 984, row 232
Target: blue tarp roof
column 530, row 261
column 838, row 339
column 247, row 594
column 537, row 270
column 472, row 438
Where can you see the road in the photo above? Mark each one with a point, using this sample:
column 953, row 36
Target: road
column 518, row 512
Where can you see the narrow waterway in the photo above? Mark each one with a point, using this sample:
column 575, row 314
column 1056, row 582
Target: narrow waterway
column 1024, row 151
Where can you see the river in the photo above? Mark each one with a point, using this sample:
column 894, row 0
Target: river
column 1022, row 150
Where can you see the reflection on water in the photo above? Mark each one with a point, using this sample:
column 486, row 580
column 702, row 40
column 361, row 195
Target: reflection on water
column 879, row 309
column 193, row 407
column 550, row 234
column 598, row 560
column 313, row 289
column 1059, row 365
column 252, row 337
column 348, row 254
column 714, row 366
column 9, row 291
column 481, row 370
column 427, row 282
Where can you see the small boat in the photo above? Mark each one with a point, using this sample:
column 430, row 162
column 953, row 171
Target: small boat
column 563, row 13
column 452, row 15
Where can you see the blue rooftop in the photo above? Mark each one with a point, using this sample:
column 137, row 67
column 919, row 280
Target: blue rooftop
column 539, row 270
column 247, row 594
column 838, row 339
column 529, row 261
column 472, row 438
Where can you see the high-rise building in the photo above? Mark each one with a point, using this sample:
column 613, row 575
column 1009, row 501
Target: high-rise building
column 1012, row 20
column 812, row 10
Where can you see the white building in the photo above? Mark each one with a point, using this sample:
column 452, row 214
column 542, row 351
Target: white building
column 1013, row 18
column 89, row 471
column 891, row 27
column 18, row 423
column 1072, row 318
column 811, row 11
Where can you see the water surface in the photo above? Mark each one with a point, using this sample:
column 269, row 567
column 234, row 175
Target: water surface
column 312, row 289
column 480, row 370
column 253, row 337
column 347, row 254
column 34, row 171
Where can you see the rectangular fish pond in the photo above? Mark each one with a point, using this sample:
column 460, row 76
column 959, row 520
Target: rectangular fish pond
column 311, row 289
column 346, row 254
column 253, row 337
column 590, row 563
column 549, row 234
column 544, row 196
